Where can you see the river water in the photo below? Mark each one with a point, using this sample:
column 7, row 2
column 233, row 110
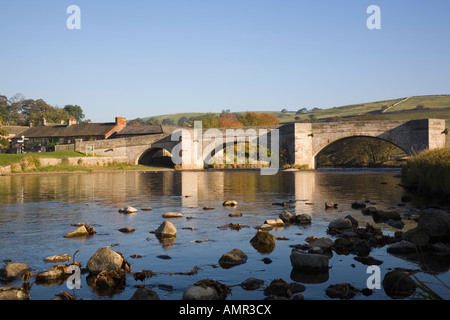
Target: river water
column 38, row 210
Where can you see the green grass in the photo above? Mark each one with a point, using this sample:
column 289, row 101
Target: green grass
column 403, row 111
column 429, row 102
column 111, row 167
column 8, row 159
column 429, row 172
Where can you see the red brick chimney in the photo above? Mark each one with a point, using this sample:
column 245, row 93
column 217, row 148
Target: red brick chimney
column 121, row 123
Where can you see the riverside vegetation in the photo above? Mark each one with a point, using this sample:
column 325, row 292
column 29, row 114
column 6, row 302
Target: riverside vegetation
column 429, row 173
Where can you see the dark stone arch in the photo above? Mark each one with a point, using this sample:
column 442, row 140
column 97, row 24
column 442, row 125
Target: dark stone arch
column 362, row 138
column 156, row 157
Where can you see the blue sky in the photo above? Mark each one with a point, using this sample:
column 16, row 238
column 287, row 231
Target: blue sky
column 144, row 58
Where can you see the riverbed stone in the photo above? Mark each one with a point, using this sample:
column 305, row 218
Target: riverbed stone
column 53, row 274
column 324, row 243
column 230, row 203
column 206, row 289
column 252, row 284
column 436, row 223
column 233, row 258
column 308, row 261
column 105, row 259
column 417, row 236
column 287, row 217
column 340, row 223
column 127, row 229
column 302, row 218
column 57, row 258
column 144, row 294
column 274, row 222
column 200, row 293
column 402, row 247
column 353, row 221
column 128, row 210
column 263, row 242
column 166, row 230
column 172, row 215
column 80, row 232
column 278, row 288
column 358, row 204
column 398, row 284
column 341, row 291
column 13, row 293
column 13, row 270
column 383, row 216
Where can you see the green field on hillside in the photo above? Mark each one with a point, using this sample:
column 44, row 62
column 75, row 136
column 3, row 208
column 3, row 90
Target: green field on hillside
column 406, row 108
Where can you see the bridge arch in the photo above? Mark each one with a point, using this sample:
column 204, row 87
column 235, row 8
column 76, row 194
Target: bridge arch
column 375, row 157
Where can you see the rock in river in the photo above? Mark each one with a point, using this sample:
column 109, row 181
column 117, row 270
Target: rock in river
column 13, row 293
column 308, row 261
column 13, row 270
column 340, row 223
column 263, row 242
column 172, row 215
column 398, row 284
column 232, row 258
column 128, row 210
column 206, row 290
column 166, row 230
column 105, row 259
column 230, row 203
column 80, row 232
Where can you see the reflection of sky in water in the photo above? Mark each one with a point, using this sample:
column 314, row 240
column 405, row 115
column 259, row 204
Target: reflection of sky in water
column 38, row 210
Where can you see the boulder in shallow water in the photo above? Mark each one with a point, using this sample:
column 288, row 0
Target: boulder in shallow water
column 13, row 270
column 166, row 230
column 398, row 284
column 232, row 258
column 13, row 293
column 230, row 203
column 263, row 242
column 308, row 261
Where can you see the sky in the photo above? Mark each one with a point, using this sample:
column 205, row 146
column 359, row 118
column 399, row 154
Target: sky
column 141, row 58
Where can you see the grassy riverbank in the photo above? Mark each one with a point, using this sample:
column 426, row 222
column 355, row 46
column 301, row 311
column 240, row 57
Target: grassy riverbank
column 429, row 172
column 71, row 161
column 91, row 169
column 8, row 159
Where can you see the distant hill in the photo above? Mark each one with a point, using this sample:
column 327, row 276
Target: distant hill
column 405, row 108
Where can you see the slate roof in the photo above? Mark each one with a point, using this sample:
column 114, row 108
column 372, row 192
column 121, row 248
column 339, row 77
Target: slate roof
column 14, row 130
column 140, row 130
column 75, row 130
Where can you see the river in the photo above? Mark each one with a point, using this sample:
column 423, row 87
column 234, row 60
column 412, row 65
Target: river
column 38, row 210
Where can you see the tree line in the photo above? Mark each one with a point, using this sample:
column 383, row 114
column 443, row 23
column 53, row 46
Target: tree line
column 211, row 120
column 20, row 111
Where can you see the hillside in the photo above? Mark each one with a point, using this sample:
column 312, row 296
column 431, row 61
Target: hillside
column 406, row 108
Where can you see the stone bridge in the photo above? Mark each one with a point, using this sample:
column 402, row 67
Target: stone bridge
column 194, row 148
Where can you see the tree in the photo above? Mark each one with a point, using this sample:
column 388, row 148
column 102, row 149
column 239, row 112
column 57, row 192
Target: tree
column 284, row 110
column 209, row 120
column 253, row 119
column 75, row 111
column 183, row 121
column 168, row 121
column 153, row 121
column 226, row 120
column 302, row 111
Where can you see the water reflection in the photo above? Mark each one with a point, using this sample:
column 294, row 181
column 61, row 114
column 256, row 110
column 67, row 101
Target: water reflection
column 37, row 210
